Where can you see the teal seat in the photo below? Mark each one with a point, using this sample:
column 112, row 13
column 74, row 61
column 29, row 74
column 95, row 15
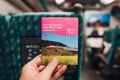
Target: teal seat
column 112, row 36
column 4, row 46
column 107, row 36
column 2, row 72
column 115, row 41
column 21, row 26
column 112, row 70
column 16, row 27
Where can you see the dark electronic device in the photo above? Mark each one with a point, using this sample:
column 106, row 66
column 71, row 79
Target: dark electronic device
column 30, row 47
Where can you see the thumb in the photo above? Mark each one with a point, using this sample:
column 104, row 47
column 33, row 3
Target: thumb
column 36, row 61
column 51, row 67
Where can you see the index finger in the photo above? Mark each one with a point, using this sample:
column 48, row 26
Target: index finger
column 50, row 68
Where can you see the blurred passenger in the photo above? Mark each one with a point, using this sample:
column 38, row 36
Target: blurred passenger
column 98, row 30
column 96, row 37
column 97, row 44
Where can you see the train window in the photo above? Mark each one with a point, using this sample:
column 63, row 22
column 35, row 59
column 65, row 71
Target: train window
column 116, row 61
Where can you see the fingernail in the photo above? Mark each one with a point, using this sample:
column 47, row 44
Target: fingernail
column 65, row 66
column 40, row 55
column 54, row 60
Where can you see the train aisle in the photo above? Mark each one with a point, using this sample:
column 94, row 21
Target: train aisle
column 87, row 72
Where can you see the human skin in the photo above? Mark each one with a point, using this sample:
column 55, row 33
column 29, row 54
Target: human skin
column 33, row 70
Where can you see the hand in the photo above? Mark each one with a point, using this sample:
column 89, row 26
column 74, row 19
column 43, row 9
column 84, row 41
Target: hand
column 33, row 70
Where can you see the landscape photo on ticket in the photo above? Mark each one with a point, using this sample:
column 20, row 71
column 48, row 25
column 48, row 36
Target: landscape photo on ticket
column 60, row 39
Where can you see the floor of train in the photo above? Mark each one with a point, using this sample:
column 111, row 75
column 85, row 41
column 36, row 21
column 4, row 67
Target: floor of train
column 87, row 72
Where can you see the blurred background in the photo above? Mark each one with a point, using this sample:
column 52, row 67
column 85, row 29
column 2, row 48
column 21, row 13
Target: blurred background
column 99, row 33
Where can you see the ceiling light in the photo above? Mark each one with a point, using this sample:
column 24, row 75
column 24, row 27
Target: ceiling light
column 106, row 2
column 59, row 2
